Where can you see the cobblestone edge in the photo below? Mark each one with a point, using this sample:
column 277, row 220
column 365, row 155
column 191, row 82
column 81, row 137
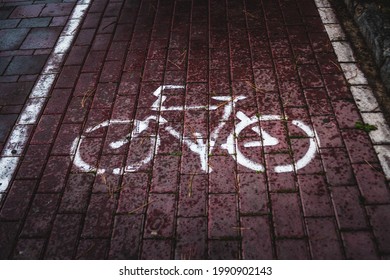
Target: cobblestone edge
column 375, row 28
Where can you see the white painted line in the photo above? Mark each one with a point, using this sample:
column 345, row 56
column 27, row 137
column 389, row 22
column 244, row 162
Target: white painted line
column 15, row 144
column 383, row 152
column 20, row 133
column 31, row 111
column 343, row 51
column 360, row 89
column 43, row 85
column 310, row 154
column 382, row 134
column 7, row 168
column 335, row 32
column 353, row 74
column 71, row 27
column 63, row 44
column 365, row 99
column 322, row 3
column 327, row 15
column 54, row 64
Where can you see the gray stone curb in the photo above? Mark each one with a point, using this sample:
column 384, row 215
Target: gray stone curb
column 375, row 28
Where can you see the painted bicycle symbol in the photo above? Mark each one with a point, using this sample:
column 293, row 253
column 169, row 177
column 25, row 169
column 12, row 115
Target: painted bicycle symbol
column 198, row 145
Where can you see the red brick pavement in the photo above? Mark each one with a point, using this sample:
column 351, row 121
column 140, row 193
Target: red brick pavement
column 182, row 202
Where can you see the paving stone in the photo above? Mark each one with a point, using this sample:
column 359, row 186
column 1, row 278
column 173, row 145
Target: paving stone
column 75, row 112
column 292, row 249
column 372, row 183
column 323, row 239
column 57, row 9
column 26, row 65
column 63, row 239
column 350, row 213
column 58, row 101
column 65, row 138
column 41, row 214
column 111, row 72
column 12, row 38
column 253, row 193
column 4, row 61
column 314, row 195
column 318, row 102
column 359, row 245
column 126, row 237
column 99, row 217
column 328, row 63
column 336, row 86
column 160, row 216
column 191, row 238
column 9, row 23
column 359, row 146
column 28, row 11
column 256, row 238
column 193, row 195
column 287, row 217
column 55, row 174
column 41, row 38
column 85, row 37
column 28, row 249
column 222, row 180
column 133, row 193
column 33, row 162
column 58, row 21
column 156, row 249
column 279, row 182
column 347, row 114
column 8, row 233
column 382, row 132
column 46, row 129
column 68, row 77
column 104, row 94
column 89, row 249
column 101, row 42
column 223, row 250
column 300, row 148
column 35, row 22
column 11, row 109
column 337, row 167
column 87, row 85
column 379, row 219
column 76, row 193
column 89, row 153
column 6, row 11
column 76, row 55
column 6, row 124
column 223, row 221
column 18, row 200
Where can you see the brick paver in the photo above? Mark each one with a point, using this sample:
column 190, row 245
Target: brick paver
column 250, row 151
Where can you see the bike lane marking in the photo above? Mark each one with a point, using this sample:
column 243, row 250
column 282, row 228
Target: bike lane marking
column 18, row 138
column 200, row 145
column 361, row 91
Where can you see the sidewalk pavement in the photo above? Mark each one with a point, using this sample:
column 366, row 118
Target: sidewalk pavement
column 179, row 129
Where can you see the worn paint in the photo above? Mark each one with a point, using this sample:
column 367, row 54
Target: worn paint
column 201, row 145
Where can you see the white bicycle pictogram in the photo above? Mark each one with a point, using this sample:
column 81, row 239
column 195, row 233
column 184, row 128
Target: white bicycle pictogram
column 200, row 146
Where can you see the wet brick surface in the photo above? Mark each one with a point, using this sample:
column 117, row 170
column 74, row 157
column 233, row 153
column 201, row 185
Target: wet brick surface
column 253, row 155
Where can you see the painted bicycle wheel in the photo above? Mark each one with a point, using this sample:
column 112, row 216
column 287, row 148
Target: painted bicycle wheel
column 139, row 145
column 233, row 147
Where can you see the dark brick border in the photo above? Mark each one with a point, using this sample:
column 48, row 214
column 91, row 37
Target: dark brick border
column 375, row 28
